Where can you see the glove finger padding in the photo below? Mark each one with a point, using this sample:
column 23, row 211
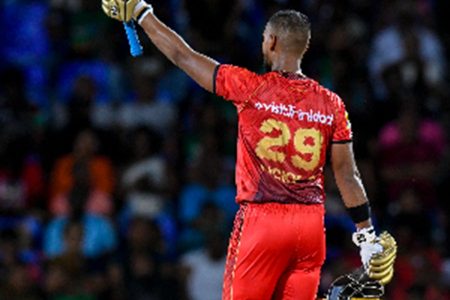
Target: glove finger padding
column 381, row 265
column 375, row 266
column 121, row 10
column 386, row 277
column 111, row 9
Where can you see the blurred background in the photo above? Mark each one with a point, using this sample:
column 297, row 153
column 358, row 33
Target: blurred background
column 117, row 174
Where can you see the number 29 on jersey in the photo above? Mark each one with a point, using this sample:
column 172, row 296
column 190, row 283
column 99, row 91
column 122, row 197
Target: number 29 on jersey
column 307, row 144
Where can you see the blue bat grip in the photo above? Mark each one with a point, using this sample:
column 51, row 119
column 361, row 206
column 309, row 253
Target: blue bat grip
column 133, row 39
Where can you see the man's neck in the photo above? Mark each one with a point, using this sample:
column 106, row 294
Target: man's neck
column 288, row 64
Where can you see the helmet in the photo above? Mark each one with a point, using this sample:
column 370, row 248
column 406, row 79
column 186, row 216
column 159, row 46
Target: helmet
column 355, row 286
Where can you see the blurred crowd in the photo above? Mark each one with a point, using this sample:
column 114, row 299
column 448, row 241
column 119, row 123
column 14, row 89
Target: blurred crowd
column 117, row 173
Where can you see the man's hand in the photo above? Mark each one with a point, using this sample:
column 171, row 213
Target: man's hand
column 123, row 10
column 378, row 254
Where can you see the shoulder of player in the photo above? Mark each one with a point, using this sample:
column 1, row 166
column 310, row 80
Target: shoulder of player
column 235, row 69
column 328, row 94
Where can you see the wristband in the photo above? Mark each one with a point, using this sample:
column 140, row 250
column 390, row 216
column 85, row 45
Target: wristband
column 141, row 10
column 359, row 213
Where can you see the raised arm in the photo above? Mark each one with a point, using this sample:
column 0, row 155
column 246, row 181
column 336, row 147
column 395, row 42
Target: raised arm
column 198, row 66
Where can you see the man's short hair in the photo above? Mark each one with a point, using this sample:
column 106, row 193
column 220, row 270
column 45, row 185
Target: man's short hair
column 293, row 28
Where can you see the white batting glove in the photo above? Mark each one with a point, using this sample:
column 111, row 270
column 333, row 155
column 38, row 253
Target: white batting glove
column 366, row 240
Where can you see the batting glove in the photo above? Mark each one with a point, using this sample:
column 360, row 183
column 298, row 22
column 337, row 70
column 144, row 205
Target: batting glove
column 378, row 254
column 126, row 10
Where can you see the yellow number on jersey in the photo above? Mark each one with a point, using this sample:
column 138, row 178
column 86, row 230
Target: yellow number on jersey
column 307, row 143
column 263, row 147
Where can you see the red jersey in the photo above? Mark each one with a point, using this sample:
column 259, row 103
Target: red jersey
column 286, row 124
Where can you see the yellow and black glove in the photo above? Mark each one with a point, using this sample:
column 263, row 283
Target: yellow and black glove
column 125, row 10
column 381, row 265
column 378, row 254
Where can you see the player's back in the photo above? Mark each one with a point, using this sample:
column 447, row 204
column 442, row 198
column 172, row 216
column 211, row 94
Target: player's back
column 286, row 124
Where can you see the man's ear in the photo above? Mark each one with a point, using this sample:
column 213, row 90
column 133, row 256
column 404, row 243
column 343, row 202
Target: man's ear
column 273, row 42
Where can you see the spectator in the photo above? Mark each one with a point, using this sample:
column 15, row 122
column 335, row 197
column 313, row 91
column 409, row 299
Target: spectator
column 148, row 274
column 388, row 47
column 71, row 261
column 209, row 178
column 98, row 235
column 146, row 110
column 203, row 268
column 17, row 51
column 22, row 183
column 19, row 285
column 145, row 185
column 19, row 267
column 87, row 170
column 410, row 149
column 205, row 189
column 145, row 180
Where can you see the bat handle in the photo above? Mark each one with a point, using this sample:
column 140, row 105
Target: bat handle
column 133, row 39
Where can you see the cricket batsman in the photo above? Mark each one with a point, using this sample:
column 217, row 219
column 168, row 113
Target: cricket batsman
column 288, row 125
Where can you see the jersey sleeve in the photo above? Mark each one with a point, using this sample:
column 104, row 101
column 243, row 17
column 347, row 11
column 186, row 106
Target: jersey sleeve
column 342, row 127
column 235, row 83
